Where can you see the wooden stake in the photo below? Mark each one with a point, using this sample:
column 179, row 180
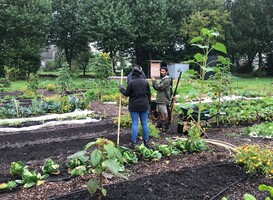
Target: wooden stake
column 119, row 109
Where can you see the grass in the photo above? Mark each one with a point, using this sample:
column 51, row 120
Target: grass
column 259, row 86
column 245, row 86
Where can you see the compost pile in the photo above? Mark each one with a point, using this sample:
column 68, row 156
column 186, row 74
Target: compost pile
column 209, row 174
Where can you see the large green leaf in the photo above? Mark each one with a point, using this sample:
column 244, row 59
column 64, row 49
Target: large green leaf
column 95, row 158
column 220, row 47
column 103, row 191
column 264, row 187
column 76, row 155
column 92, row 185
column 119, row 156
column 196, row 39
column 198, row 57
column 111, row 165
column 110, row 149
column 89, row 145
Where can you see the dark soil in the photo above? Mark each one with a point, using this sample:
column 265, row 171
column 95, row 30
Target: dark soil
column 209, row 174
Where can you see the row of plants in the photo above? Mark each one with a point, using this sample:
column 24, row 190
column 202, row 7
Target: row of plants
column 262, row 130
column 233, row 112
column 55, row 104
column 101, row 158
column 245, row 111
column 104, row 160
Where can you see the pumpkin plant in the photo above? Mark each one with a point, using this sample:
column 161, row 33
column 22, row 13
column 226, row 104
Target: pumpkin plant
column 106, row 161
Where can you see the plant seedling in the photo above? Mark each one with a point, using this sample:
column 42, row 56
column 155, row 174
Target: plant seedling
column 106, row 161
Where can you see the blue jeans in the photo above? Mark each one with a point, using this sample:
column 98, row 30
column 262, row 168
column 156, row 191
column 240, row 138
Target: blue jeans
column 144, row 122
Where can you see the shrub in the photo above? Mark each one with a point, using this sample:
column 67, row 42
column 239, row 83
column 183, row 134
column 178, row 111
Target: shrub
column 5, row 82
column 255, row 159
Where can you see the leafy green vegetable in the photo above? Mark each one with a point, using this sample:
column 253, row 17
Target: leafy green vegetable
column 50, row 167
column 31, row 178
column 10, row 185
column 17, row 168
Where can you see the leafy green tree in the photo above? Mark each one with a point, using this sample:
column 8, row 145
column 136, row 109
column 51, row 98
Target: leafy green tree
column 207, row 13
column 68, row 27
column 23, row 27
column 251, row 31
column 83, row 58
column 154, row 29
column 111, row 27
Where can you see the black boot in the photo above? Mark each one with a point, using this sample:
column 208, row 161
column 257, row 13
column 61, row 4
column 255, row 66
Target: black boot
column 159, row 124
column 165, row 127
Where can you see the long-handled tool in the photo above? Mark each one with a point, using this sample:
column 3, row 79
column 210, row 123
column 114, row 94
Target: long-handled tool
column 173, row 98
column 119, row 109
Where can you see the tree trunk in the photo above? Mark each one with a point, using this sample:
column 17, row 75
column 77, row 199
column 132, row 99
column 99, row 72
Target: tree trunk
column 260, row 60
column 68, row 56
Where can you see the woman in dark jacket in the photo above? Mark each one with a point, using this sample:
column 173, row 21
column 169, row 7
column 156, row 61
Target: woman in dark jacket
column 138, row 91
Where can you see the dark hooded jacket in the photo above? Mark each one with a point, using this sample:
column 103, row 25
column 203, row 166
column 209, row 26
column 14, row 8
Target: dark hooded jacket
column 138, row 91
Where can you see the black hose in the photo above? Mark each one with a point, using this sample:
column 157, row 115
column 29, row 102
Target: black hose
column 67, row 194
column 234, row 183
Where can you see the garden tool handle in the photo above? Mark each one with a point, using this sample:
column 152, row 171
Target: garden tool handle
column 119, row 108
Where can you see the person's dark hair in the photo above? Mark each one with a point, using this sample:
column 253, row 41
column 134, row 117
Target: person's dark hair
column 165, row 68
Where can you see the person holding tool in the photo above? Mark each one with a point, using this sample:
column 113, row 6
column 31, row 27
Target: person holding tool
column 139, row 93
column 163, row 97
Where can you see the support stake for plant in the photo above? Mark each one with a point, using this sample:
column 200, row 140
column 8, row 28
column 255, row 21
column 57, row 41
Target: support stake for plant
column 119, row 109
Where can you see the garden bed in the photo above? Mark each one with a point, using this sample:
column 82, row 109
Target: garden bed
column 205, row 175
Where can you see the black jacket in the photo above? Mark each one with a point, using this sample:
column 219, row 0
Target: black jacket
column 139, row 93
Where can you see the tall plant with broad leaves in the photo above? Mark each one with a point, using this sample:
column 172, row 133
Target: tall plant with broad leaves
column 206, row 43
column 106, row 161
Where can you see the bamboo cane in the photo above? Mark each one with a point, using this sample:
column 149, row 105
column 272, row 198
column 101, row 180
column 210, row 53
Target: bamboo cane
column 119, row 109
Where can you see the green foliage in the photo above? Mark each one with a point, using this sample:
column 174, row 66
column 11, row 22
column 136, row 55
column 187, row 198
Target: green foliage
column 211, row 14
column 24, row 27
column 264, row 130
column 65, row 78
column 129, row 156
column 17, row 168
column 10, row 185
column 50, row 167
column 206, row 44
column 106, row 161
column 255, row 159
column 68, row 28
column 147, row 153
column 33, row 82
column 4, row 82
column 239, row 112
column 125, row 121
column 268, row 188
column 76, row 160
column 166, row 150
column 31, row 178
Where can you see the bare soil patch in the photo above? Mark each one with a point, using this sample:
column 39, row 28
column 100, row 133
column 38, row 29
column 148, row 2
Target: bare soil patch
column 205, row 175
